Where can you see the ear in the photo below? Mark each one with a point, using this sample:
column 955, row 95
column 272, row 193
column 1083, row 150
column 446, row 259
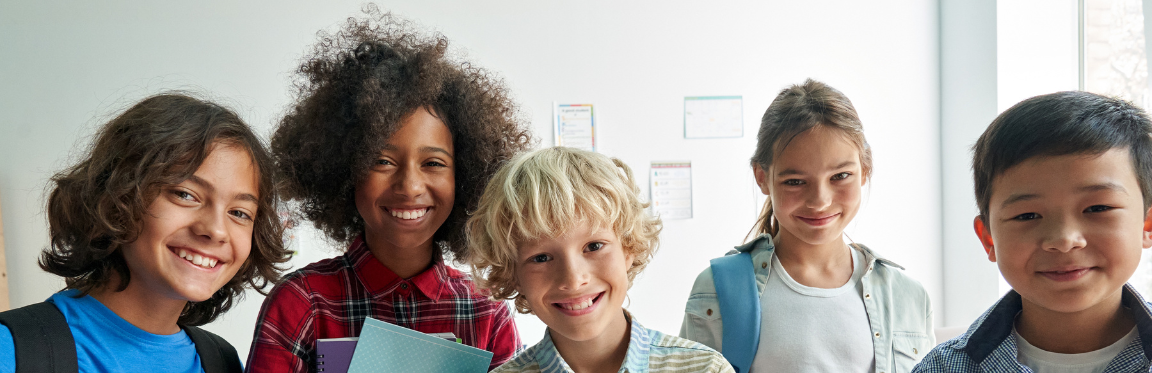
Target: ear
column 761, row 179
column 985, row 235
column 1147, row 229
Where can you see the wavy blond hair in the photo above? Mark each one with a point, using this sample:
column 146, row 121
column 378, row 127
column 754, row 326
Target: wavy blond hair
column 544, row 193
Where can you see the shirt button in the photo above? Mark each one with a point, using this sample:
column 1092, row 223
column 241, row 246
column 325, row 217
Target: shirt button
column 764, row 265
column 709, row 312
column 404, row 286
column 877, row 335
column 866, row 296
column 914, row 351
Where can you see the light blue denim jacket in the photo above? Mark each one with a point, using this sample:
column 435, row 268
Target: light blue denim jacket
column 899, row 311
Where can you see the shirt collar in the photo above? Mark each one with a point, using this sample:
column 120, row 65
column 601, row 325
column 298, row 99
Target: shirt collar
column 763, row 243
column 988, row 336
column 378, row 278
column 635, row 360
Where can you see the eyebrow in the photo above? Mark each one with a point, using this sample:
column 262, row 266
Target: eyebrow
column 1108, row 185
column 792, row 171
column 212, row 189
column 423, row 149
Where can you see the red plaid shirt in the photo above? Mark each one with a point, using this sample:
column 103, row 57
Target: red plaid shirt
column 330, row 298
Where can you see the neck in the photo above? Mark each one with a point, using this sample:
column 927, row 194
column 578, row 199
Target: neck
column 1083, row 331
column 603, row 353
column 140, row 307
column 405, row 262
column 826, row 265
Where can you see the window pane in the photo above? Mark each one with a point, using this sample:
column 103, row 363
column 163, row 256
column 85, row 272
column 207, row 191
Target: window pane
column 1115, row 65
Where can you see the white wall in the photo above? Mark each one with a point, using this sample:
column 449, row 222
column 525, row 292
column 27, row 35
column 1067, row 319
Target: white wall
column 968, row 66
column 66, row 68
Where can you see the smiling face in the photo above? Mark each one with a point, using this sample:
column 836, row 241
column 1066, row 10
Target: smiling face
column 576, row 283
column 409, row 191
column 814, row 185
column 196, row 235
column 1066, row 231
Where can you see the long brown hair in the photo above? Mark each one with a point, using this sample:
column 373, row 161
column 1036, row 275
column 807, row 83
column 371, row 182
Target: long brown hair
column 796, row 110
column 97, row 205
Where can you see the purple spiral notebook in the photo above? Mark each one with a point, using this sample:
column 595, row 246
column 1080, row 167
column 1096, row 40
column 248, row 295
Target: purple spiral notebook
column 333, row 355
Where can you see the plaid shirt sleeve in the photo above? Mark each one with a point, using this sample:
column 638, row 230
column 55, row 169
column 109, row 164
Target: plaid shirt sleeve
column 284, row 337
column 505, row 340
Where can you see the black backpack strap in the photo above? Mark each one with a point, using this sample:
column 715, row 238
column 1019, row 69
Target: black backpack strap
column 41, row 338
column 216, row 354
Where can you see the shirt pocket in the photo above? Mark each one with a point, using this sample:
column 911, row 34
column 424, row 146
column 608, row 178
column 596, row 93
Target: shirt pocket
column 702, row 320
column 908, row 349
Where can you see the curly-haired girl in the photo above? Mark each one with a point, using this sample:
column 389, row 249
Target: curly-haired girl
column 169, row 216
column 388, row 147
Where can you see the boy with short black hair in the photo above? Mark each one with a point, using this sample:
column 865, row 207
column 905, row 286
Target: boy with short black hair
column 1063, row 185
column 563, row 233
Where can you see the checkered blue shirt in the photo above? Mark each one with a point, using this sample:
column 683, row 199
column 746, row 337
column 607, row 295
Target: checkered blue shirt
column 988, row 345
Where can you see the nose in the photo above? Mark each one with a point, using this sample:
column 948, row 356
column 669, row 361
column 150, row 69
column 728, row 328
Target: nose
column 410, row 182
column 1062, row 235
column 210, row 225
column 818, row 196
column 574, row 274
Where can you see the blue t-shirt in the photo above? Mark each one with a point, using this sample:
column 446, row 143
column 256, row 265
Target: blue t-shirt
column 107, row 343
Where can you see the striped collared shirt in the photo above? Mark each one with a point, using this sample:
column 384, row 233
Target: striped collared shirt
column 988, row 345
column 648, row 351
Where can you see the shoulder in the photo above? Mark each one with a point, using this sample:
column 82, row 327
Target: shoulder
column 704, row 283
column 678, row 345
column 325, row 276
column 299, row 294
column 462, row 287
column 685, row 355
column 523, row 362
column 893, row 276
column 337, row 266
column 946, row 357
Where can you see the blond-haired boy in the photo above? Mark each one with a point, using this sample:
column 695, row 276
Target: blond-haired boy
column 563, row 233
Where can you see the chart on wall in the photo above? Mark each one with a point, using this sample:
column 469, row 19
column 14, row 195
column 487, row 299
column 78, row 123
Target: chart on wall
column 574, row 126
column 671, row 189
column 709, row 117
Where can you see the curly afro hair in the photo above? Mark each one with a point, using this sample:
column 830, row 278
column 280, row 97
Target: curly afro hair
column 354, row 89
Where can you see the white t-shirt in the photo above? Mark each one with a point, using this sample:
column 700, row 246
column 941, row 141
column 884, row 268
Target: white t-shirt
column 807, row 329
column 1041, row 361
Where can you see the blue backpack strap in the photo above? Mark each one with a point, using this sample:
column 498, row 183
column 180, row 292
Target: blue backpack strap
column 735, row 281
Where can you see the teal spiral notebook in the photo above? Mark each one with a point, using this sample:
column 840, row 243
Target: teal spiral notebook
column 384, row 347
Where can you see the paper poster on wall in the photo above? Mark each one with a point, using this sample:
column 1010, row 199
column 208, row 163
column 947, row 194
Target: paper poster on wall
column 574, row 126
column 713, row 117
column 671, row 189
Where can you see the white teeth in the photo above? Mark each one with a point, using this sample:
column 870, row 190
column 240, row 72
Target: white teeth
column 578, row 306
column 409, row 214
column 197, row 259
